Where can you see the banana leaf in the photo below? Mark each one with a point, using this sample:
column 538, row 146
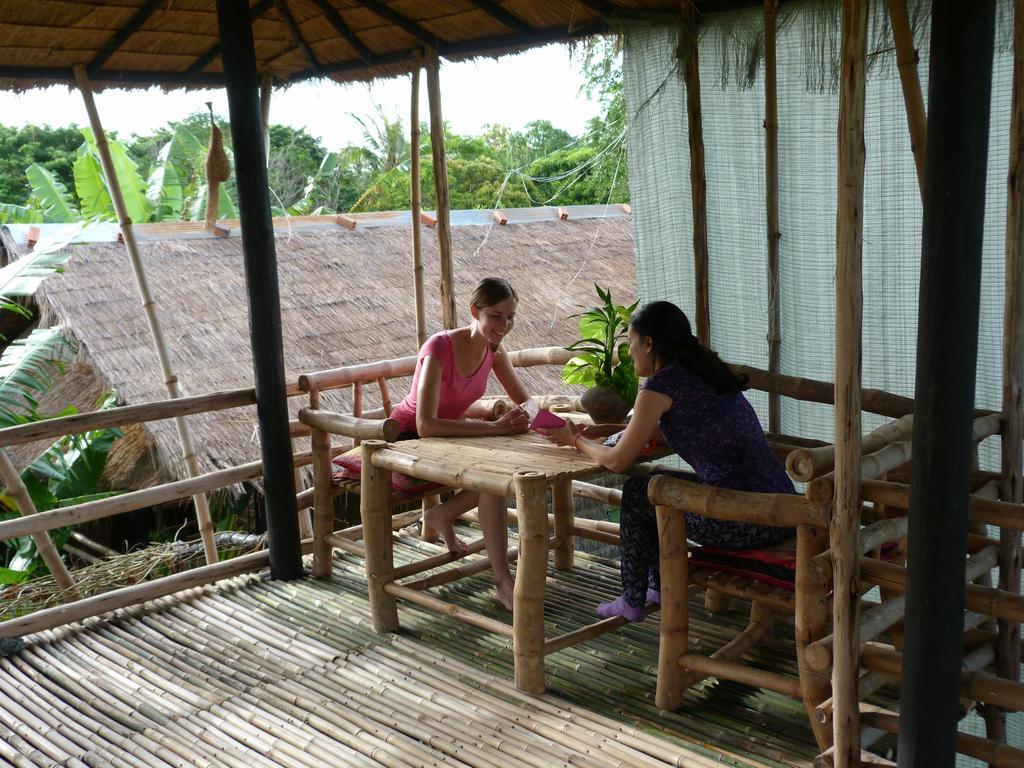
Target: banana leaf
column 27, row 369
column 91, row 189
column 133, row 188
column 19, row 214
column 52, row 196
column 164, row 188
column 22, row 277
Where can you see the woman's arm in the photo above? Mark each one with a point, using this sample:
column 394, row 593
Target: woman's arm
column 428, row 397
column 648, row 409
column 509, row 379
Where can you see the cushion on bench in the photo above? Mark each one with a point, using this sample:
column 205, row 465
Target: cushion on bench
column 775, row 565
column 349, row 465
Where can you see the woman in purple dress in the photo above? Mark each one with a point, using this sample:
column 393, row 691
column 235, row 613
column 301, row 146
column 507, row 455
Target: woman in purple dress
column 697, row 403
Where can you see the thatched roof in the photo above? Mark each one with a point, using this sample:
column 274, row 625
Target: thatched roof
column 135, row 43
column 130, row 463
column 346, row 297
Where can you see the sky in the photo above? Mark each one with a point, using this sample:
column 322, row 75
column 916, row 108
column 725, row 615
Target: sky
column 542, row 83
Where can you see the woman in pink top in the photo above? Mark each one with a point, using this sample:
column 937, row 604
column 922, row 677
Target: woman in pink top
column 451, row 374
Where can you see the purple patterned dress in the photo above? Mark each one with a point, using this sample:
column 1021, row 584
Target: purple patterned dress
column 720, row 437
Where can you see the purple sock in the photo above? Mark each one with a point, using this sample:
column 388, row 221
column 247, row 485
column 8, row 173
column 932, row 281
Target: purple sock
column 619, row 607
column 653, row 596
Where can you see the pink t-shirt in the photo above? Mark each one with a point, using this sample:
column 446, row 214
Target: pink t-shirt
column 457, row 391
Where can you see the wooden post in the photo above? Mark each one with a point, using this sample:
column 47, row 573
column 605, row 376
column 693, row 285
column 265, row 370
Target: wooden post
column 414, row 200
column 239, row 58
column 845, row 523
column 674, row 623
column 531, row 572
column 44, row 544
column 266, row 87
column 1008, row 647
column 771, row 175
column 562, row 509
column 959, row 90
column 375, row 511
column 809, row 625
column 444, row 231
column 906, row 60
column 323, row 498
column 698, row 181
column 188, row 450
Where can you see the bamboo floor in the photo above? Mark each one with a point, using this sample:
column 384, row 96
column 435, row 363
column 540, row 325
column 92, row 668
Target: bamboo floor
column 252, row 673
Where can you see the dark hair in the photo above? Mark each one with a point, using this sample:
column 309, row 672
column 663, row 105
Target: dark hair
column 491, row 291
column 672, row 341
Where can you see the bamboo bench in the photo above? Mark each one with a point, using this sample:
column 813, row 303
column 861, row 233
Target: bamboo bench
column 886, row 453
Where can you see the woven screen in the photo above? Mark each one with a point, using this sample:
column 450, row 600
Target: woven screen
column 732, row 101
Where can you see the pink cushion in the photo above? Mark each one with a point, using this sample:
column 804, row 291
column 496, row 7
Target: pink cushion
column 348, row 466
column 775, row 565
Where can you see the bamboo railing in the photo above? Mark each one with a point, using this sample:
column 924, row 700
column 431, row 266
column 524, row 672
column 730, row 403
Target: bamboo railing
column 39, row 524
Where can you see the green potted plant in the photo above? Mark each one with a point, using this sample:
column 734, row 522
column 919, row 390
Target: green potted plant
column 603, row 363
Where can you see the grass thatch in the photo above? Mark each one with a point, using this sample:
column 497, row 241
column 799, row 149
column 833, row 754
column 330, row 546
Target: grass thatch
column 174, row 44
column 346, row 298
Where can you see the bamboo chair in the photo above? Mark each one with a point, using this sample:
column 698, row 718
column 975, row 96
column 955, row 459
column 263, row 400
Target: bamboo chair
column 678, row 669
column 887, row 451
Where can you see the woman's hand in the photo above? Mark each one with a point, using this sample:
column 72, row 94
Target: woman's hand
column 513, row 422
column 563, row 435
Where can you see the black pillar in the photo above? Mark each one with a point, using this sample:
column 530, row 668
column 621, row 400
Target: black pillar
column 959, row 91
column 239, row 57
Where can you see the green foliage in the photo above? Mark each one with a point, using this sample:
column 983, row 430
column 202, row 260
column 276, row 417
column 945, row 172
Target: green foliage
column 66, row 473
column 92, row 188
column 52, row 148
column 27, row 369
column 51, row 196
column 602, row 331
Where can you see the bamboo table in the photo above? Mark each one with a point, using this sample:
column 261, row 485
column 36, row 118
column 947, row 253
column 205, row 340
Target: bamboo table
column 519, row 466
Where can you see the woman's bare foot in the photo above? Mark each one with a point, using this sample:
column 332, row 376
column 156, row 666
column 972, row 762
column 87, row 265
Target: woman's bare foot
column 446, row 528
column 503, row 594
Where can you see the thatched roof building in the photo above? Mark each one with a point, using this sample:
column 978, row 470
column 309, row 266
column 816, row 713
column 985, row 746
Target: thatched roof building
column 346, row 297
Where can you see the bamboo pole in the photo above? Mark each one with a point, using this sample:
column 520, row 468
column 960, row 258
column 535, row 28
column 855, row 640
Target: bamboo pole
column 349, row 374
column 528, row 594
column 875, row 621
column 906, row 61
column 994, row 753
column 414, row 198
column 323, row 494
column 1008, row 649
column 811, row 617
column 805, row 464
column 462, row 614
column 128, row 414
column 133, row 500
column 843, row 530
column 707, row 666
column 443, row 209
column 562, row 507
column 266, row 88
column 981, row 510
column 148, row 305
column 976, row 685
column 350, row 426
column 780, row 509
column 674, row 622
column 698, row 179
column 44, row 544
column 873, row 400
column 771, row 174
column 375, row 510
